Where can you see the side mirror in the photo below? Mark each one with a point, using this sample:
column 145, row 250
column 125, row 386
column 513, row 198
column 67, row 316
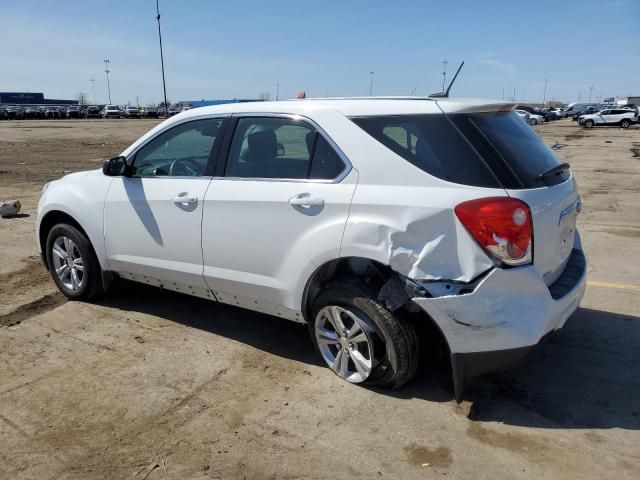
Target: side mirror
column 279, row 150
column 115, row 167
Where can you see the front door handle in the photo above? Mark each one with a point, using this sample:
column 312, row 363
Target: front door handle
column 185, row 199
column 306, row 200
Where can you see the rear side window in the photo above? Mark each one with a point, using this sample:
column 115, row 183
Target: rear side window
column 285, row 148
column 433, row 144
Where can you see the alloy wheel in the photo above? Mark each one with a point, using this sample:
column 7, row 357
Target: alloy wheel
column 68, row 263
column 345, row 343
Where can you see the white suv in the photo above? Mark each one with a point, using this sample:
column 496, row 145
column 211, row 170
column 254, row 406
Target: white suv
column 358, row 217
column 623, row 117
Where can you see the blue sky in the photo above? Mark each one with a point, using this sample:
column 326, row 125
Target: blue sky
column 222, row 49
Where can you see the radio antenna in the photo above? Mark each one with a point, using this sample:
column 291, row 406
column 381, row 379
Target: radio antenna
column 445, row 94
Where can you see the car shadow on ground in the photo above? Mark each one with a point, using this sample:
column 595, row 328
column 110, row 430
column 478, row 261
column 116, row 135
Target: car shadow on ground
column 587, row 376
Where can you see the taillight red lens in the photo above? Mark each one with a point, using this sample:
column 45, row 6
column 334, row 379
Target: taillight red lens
column 501, row 226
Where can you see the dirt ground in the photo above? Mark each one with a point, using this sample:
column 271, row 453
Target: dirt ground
column 158, row 385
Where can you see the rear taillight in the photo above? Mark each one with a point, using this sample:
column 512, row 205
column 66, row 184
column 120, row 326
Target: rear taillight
column 501, row 226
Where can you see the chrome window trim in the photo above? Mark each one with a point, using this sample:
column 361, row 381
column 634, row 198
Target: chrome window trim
column 293, row 116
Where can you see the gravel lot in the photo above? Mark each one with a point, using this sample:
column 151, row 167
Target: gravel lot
column 169, row 386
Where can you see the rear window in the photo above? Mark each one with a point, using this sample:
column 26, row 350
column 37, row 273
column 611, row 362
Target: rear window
column 484, row 149
column 514, row 144
column 433, row 144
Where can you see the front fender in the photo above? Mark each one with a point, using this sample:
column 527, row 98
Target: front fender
column 82, row 198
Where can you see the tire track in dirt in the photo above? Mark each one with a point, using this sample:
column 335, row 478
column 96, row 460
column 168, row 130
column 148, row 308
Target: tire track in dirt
column 26, row 293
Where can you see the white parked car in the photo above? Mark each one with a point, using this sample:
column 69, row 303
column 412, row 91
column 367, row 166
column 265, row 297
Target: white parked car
column 359, row 217
column 623, row 117
column 111, row 111
column 530, row 118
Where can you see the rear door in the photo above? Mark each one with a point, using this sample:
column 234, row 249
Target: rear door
column 274, row 212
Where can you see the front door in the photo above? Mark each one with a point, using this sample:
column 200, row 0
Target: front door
column 277, row 213
column 153, row 218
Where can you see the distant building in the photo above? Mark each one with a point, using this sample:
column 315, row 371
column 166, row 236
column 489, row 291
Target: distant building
column 206, row 103
column 28, row 98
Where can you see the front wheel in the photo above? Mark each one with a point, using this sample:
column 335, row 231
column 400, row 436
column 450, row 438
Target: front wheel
column 360, row 340
column 73, row 263
column 588, row 123
column 533, row 121
column 625, row 123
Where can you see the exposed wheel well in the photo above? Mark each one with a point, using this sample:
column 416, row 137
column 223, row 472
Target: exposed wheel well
column 51, row 219
column 374, row 274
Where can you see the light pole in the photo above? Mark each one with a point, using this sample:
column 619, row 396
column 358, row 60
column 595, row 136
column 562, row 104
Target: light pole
column 277, row 91
column 371, row 74
column 106, row 70
column 444, row 73
column 93, row 88
column 544, row 96
column 590, row 91
column 164, row 86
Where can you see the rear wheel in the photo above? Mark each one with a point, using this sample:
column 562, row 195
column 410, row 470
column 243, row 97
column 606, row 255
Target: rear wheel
column 533, row 121
column 360, row 340
column 73, row 263
column 588, row 123
column 625, row 123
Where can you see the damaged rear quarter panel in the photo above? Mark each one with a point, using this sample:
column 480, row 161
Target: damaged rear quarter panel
column 415, row 231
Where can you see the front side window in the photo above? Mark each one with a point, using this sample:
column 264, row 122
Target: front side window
column 182, row 151
column 285, row 148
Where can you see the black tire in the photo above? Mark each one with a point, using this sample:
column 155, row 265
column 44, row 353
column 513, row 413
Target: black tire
column 625, row 123
column 533, row 121
column 588, row 124
column 91, row 285
column 395, row 346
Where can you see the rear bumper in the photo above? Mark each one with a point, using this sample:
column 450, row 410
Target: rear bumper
column 508, row 314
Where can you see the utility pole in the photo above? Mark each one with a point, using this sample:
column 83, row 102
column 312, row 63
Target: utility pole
column 93, row 88
column 514, row 94
column 544, row 96
column 106, row 70
column 503, row 93
column 277, row 91
column 579, row 95
column 137, row 101
column 164, row 85
column 590, row 91
column 371, row 83
column 444, row 73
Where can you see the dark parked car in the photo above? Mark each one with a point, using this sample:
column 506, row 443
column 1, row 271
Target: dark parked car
column 173, row 111
column 74, row 111
column 92, row 111
column 52, row 112
column 149, row 112
column 34, row 112
column 14, row 112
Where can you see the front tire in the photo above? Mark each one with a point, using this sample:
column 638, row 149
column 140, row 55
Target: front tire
column 72, row 263
column 361, row 340
column 625, row 123
column 588, row 123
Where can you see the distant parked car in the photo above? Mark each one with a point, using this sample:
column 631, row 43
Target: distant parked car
column 530, row 118
column 111, row 111
column 149, row 112
column 93, row 111
column 623, row 117
column 74, row 111
column 130, row 112
column 13, row 112
column 173, row 111
column 33, row 112
column 51, row 112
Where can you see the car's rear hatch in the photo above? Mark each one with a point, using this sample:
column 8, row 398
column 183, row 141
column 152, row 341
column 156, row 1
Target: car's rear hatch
column 520, row 159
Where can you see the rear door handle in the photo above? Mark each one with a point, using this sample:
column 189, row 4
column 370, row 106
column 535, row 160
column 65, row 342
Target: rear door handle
column 185, row 199
column 306, row 200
